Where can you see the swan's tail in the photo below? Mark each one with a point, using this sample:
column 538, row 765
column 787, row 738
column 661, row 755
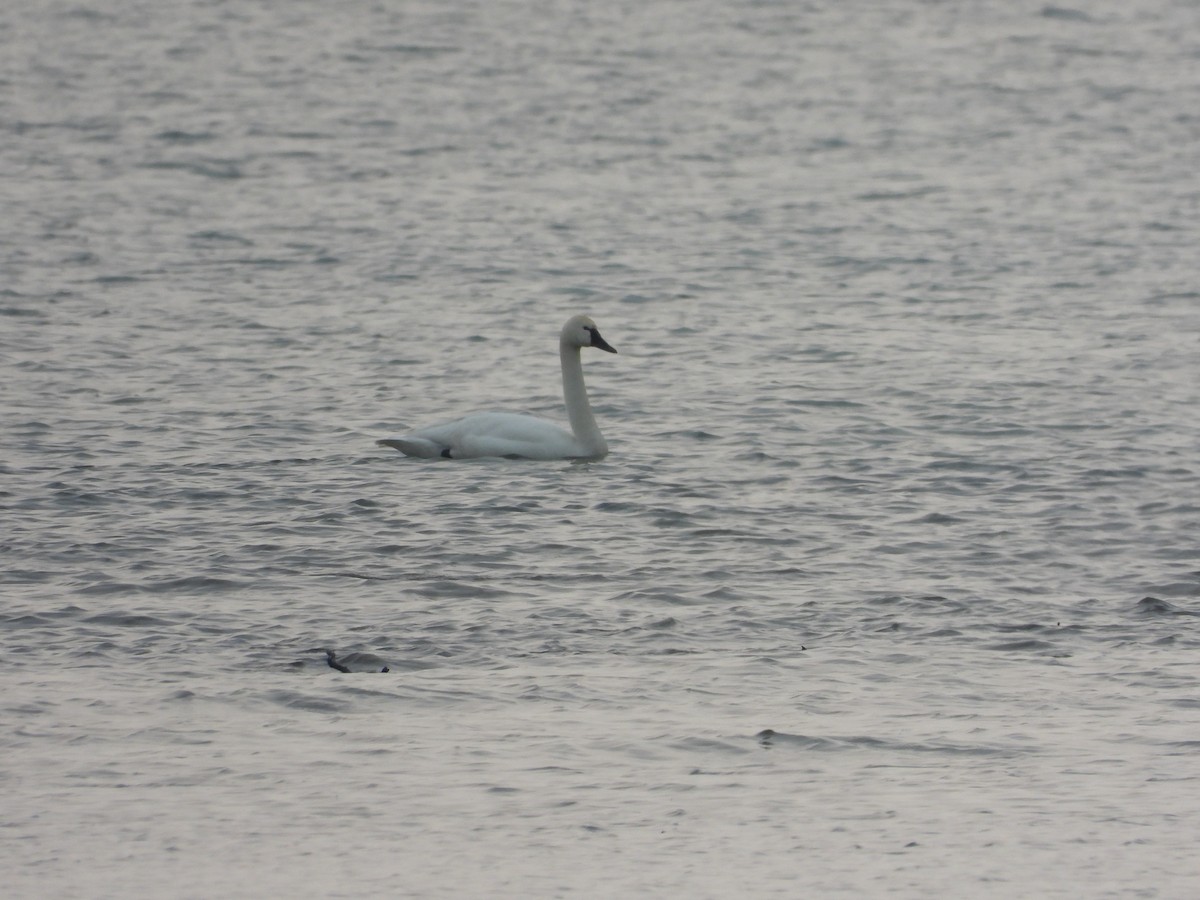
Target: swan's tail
column 413, row 446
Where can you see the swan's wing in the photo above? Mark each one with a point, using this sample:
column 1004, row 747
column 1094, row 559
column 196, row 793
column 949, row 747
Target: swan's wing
column 490, row 434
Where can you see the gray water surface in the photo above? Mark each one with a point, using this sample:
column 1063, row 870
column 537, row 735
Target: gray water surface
column 888, row 587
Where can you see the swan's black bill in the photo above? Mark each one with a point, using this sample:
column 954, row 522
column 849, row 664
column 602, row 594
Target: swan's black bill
column 600, row 343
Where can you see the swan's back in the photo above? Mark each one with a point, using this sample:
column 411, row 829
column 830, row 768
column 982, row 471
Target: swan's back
column 491, row 434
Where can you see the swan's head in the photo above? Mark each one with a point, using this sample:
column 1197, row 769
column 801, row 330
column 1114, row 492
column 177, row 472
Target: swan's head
column 580, row 331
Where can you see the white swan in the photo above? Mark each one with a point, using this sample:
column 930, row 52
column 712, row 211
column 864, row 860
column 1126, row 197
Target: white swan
column 519, row 436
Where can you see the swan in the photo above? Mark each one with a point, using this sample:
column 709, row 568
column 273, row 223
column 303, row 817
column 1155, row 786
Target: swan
column 519, row 436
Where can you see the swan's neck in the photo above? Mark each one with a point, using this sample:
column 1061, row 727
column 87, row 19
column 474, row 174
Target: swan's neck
column 579, row 411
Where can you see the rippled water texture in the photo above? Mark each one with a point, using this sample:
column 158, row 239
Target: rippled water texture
column 888, row 587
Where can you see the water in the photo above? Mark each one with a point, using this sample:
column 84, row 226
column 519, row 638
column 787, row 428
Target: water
column 888, row 587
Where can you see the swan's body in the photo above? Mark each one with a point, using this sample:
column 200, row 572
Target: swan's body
column 520, row 436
